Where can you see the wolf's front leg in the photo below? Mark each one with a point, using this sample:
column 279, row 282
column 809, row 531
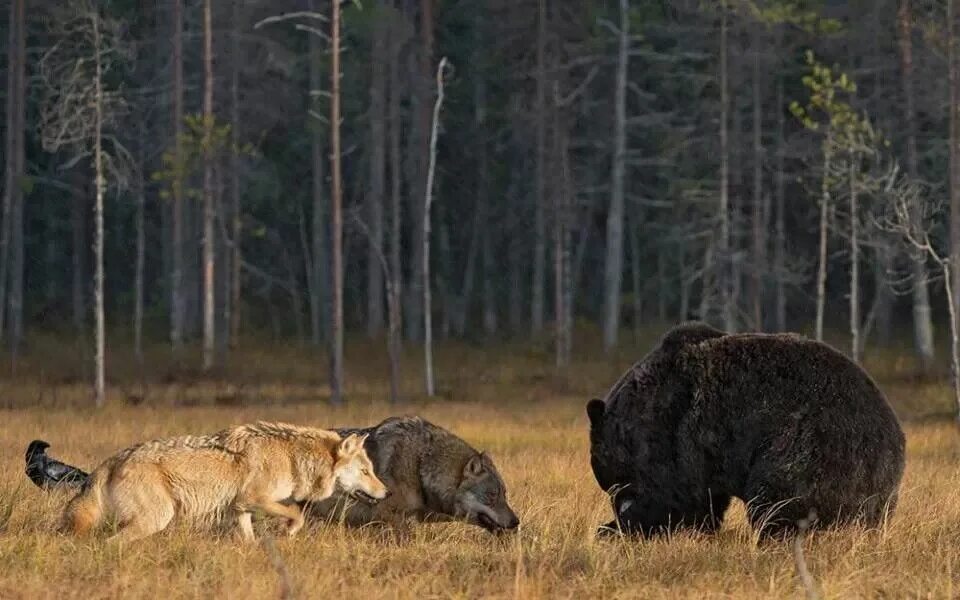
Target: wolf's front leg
column 291, row 512
column 245, row 521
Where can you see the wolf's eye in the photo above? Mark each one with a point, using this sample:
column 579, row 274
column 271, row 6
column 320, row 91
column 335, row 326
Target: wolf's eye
column 365, row 471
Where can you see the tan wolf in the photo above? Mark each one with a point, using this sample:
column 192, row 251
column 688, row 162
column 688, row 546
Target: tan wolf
column 262, row 466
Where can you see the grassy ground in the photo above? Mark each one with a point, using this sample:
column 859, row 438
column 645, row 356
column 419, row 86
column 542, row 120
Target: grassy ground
column 509, row 401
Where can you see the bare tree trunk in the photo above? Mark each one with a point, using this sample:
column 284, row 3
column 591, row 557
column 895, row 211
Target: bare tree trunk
column 954, row 135
column 723, row 270
column 318, row 277
column 78, row 214
column 780, row 247
column 855, row 346
column 100, row 380
column 613, row 271
column 948, row 273
column 12, row 185
column 635, row 280
column 177, row 298
column 824, row 222
column 662, row 286
column 538, row 283
column 141, row 245
column 209, row 255
column 558, row 192
column 395, row 293
column 477, row 235
column 16, row 191
column 378, row 91
column 336, row 195
column 428, row 199
column 419, row 157
column 759, row 243
column 922, row 321
column 235, row 209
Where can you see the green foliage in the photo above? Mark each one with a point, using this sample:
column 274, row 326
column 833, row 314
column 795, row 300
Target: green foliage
column 827, row 107
column 194, row 145
column 799, row 13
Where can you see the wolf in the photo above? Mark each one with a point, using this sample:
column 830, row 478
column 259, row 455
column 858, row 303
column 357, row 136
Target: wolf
column 264, row 466
column 433, row 476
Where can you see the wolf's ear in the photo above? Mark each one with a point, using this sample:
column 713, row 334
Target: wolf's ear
column 474, row 466
column 349, row 445
column 595, row 410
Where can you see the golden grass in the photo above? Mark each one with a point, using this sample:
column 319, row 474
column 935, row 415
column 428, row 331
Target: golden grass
column 509, row 402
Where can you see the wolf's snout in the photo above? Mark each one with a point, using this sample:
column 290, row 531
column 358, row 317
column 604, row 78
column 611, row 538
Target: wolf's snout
column 513, row 522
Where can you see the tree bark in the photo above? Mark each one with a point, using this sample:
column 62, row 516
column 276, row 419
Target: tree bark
column 395, row 291
column 780, row 247
column 375, row 193
column 538, row 283
column 428, row 199
column 336, row 196
column 954, row 141
column 140, row 243
column 613, row 266
column 16, row 191
column 235, row 207
column 318, row 274
column 12, row 183
column 78, row 220
column 922, row 321
column 100, row 182
column 759, row 242
column 855, row 346
column 824, row 221
column 724, row 260
column 209, row 255
column 177, row 298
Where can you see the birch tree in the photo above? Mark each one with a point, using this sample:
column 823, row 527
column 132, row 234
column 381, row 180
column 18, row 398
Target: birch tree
column 428, row 200
column 79, row 114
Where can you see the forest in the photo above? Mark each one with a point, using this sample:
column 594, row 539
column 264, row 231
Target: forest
column 331, row 213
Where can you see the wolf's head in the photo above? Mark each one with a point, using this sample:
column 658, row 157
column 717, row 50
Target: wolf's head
column 481, row 497
column 354, row 471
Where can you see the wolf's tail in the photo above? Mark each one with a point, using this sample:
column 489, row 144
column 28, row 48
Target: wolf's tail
column 85, row 511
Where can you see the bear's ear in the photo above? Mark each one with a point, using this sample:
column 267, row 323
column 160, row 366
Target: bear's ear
column 595, row 410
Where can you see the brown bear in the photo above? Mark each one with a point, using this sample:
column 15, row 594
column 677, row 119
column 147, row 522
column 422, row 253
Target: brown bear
column 788, row 425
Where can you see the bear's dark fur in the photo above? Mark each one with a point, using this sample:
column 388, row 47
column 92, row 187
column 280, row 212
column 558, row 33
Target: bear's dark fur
column 786, row 424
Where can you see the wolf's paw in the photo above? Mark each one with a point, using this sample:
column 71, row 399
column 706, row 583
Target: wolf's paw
column 294, row 526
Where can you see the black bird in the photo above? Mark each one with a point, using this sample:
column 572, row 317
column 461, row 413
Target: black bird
column 50, row 473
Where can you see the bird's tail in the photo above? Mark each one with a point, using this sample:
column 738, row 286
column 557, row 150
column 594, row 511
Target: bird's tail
column 85, row 511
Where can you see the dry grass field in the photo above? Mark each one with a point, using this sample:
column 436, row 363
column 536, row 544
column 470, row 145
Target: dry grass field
column 508, row 401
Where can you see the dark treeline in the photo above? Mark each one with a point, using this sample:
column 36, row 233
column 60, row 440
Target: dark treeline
column 622, row 162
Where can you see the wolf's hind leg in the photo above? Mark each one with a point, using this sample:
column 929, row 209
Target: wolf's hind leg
column 292, row 513
column 143, row 507
column 145, row 524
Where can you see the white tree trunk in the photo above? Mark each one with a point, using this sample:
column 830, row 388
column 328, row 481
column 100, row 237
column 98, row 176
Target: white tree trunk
column 428, row 200
column 613, row 266
column 854, row 267
column 209, row 283
column 824, row 222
